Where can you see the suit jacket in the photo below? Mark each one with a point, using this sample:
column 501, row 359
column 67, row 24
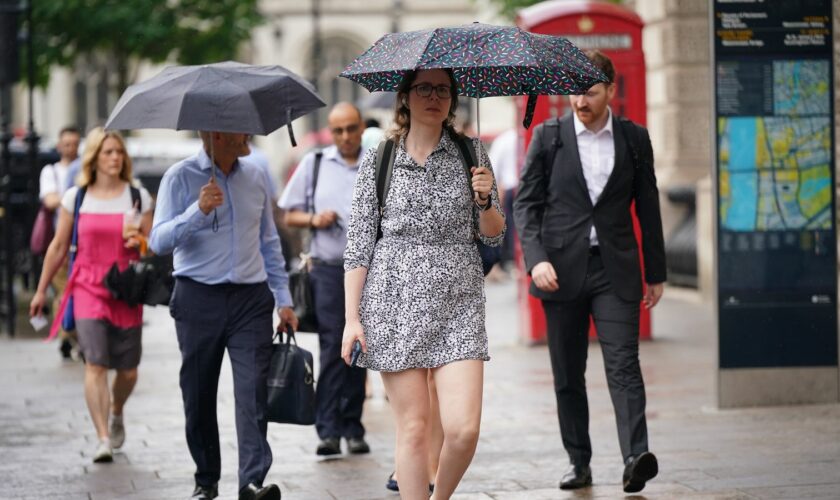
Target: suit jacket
column 554, row 214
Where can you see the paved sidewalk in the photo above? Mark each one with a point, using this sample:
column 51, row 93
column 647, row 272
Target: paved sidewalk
column 46, row 439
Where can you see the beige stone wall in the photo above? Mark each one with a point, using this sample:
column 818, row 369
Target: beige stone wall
column 676, row 45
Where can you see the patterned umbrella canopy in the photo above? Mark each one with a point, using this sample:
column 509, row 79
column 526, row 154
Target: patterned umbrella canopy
column 486, row 60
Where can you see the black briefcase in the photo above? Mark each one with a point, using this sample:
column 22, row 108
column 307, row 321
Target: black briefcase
column 291, row 383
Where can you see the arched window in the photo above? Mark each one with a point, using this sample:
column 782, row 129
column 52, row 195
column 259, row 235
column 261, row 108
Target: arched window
column 337, row 52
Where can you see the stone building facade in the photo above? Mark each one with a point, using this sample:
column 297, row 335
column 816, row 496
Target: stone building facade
column 676, row 42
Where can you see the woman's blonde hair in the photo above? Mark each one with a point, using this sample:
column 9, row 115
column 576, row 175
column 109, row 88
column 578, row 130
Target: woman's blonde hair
column 402, row 116
column 93, row 145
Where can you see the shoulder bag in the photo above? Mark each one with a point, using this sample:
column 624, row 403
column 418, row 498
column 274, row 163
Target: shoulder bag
column 300, row 283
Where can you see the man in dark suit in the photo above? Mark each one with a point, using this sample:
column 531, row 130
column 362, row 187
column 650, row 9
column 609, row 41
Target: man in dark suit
column 581, row 174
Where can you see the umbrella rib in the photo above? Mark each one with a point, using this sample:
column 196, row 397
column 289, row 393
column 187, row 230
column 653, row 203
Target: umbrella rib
column 426, row 47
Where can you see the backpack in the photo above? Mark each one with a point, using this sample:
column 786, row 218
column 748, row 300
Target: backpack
column 385, row 154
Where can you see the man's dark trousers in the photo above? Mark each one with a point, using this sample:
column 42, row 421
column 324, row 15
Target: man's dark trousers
column 510, row 232
column 208, row 320
column 340, row 394
column 617, row 323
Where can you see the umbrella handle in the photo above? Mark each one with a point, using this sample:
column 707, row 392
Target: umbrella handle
column 478, row 130
column 215, row 224
column 289, row 127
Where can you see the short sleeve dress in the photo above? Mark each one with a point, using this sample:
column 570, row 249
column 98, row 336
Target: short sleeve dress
column 423, row 301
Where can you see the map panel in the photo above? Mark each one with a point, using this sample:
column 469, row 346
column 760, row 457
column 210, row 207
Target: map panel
column 778, row 175
column 800, row 87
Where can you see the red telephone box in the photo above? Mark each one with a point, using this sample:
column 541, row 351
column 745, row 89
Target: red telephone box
column 617, row 32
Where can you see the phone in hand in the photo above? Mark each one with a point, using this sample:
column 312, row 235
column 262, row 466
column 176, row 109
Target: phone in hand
column 38, row 322
column 354, row 354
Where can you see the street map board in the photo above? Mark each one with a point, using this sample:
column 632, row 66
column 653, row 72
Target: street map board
column 774, row 138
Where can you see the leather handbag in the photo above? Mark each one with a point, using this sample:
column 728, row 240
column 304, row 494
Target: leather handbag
column 43, row 231
column 291, row 382
column 300, row 282
column 147, row 281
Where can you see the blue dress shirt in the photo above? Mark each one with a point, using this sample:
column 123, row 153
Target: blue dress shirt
column 246, row 247
column 336, row 179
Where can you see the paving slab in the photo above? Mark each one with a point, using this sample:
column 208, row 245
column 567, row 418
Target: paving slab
column 46, row 437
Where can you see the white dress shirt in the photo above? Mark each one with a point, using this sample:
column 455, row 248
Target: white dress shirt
column 53, row 180
column 597, row 157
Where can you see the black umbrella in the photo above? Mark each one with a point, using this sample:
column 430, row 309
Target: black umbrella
column 221, row 97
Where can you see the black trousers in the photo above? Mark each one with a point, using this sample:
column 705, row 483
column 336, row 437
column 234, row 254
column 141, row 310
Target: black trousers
column 340, row 393
column 617, row 323
column 210, row 319
column 510, row 232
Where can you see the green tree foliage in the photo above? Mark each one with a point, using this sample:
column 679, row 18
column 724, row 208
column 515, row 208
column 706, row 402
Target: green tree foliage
column 508, row 8
column 120, row 33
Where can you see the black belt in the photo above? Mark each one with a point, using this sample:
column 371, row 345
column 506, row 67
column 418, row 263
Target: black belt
column 595, row 250
column 328, row 262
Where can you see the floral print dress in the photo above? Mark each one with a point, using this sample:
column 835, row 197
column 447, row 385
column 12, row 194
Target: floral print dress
column 422, row 305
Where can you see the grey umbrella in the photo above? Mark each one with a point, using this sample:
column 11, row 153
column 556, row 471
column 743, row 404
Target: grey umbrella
column 221, row 97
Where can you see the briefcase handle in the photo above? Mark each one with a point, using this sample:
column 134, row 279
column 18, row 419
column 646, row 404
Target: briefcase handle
column 290, row 339
column 290, row 335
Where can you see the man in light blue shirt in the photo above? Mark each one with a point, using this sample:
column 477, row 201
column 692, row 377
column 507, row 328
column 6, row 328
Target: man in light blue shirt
column 230, row 276
column 318, row 197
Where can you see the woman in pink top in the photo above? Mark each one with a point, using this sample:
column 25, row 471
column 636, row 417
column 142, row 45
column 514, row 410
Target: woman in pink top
column 109, row 330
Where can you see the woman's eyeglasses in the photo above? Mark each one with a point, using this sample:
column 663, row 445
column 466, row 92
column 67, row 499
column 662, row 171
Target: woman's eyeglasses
column 425, row 90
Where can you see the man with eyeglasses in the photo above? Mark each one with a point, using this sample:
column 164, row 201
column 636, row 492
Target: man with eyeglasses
column 318, row 197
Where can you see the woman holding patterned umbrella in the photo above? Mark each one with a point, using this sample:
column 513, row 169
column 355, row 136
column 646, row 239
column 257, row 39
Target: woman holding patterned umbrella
column 415, row 297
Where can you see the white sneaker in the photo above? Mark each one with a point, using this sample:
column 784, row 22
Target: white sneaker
column 103, row 453
column 117, row 432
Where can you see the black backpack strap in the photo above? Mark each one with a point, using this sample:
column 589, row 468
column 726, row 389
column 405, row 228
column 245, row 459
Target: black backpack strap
column 136, row 201
column 385, row 153
column 384, row 168
column 74, row 240
column 633, row 138
column 316, row 169
column 550, row 149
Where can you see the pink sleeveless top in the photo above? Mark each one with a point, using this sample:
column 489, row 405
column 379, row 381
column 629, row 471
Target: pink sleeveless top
column 100, row 244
